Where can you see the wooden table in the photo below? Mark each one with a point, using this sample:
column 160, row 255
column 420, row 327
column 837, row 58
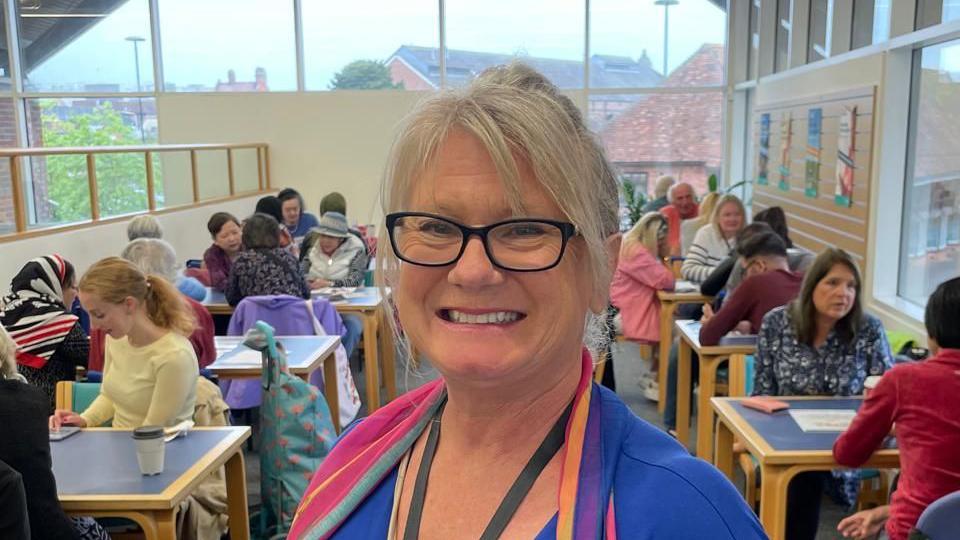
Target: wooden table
column 97, row 475
column 710, row 358
column 669, row 300
column 305, row 354
column 782, row 449
column 376, row 335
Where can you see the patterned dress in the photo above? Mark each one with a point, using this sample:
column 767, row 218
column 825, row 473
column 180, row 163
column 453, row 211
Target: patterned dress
column 265, row 272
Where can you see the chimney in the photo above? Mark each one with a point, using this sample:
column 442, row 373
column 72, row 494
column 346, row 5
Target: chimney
column 261, row 77
column 231, row 76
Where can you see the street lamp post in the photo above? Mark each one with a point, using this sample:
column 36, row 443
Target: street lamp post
column 666, row 28
column 136, row 40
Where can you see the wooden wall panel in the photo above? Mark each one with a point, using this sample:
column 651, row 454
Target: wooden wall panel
column 817, row 223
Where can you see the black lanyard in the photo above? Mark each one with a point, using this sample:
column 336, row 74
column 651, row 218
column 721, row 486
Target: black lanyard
column 515, row 495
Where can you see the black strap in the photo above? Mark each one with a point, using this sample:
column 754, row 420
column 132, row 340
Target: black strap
column 515, row 495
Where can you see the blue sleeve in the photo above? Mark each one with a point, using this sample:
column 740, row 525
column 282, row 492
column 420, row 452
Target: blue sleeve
column 192, row 288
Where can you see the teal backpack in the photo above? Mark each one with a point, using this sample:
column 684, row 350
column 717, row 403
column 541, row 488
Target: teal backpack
column 296, row 430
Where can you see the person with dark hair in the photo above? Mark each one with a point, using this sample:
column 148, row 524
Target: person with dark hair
column 219, row 257
column 777, row 220
column 919, row 401
column 272, row 207
column 50, row 341
column 264, row 267
column 821, row 344
column 295, row 219
column 333, row 202
column 769, row 284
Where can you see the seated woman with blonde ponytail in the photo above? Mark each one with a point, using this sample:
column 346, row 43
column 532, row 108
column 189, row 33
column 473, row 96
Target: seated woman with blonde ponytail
column 150, row 368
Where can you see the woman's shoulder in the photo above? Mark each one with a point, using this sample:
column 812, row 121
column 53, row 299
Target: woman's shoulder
column 652, row 466
column 778, row 316
column 871, row 323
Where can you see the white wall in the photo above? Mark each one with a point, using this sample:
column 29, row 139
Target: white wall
column 319, row 142
column 186, row 230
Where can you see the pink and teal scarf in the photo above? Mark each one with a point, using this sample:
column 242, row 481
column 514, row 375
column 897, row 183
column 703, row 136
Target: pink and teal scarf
column 373, row 448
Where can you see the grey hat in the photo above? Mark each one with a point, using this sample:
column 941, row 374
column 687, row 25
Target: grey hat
column 333, row 224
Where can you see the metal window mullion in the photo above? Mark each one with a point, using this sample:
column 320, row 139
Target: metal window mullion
column 19, row 111
column 442, row 21
column 911, row 149
column 586, row 50
column 158, row 81
column 298, row 44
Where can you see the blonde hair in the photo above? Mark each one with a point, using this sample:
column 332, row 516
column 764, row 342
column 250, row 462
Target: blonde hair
column 707, row 205
column 114, row 279
column 728, row 198
column 663, row 185
column 518, row 116
column 8, row 355
column 644, row 233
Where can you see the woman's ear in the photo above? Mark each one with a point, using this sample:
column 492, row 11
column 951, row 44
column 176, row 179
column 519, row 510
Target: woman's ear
column 598, row 303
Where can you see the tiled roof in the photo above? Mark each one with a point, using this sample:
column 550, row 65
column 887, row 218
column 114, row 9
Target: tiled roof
column 462, row 66
column 674, row 127
column 938, row 136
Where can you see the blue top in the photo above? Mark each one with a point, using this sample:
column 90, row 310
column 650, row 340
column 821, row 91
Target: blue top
column 307, row 222
column 660, row 490
column 191, row 288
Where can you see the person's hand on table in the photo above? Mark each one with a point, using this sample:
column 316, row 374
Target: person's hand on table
column 864, row 524
column 707, row 314
column 319, row 283
column 63, row 417
column 743, row 327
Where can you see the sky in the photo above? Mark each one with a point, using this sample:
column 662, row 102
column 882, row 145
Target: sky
column 202, row 39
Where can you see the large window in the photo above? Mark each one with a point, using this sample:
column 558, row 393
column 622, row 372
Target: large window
column 781, row 57
column 228, row 45
column 871, row 22
column 85, row 47
column 754, row 40
column 930, row 247
column 931, row 12
column 818, row 42
column 346, row 47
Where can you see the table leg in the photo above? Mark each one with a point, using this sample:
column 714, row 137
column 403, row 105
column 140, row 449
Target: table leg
column 331, row 389
column 737, row 369
column 166, row 524
column 774, row 481
column 683, row 393
column 724, row 452
column 708, row 389
column 237, row 497
column 371, row 364
column 666, row 337
column 387, row 353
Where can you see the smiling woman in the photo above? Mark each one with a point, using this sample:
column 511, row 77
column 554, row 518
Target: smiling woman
column 502, row 215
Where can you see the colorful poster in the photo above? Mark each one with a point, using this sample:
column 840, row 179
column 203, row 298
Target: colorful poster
column 812, row 161
column 764, row 161
column 846, row 164
column 786, row 134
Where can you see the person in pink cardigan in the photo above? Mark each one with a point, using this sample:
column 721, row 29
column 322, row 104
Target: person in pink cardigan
column 640, row 273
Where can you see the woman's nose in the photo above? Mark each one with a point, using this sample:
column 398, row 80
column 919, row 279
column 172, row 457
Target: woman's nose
column 474, row 268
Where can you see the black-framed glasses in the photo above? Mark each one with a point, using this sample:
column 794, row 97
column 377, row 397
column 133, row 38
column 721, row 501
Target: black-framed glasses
column 517, row 245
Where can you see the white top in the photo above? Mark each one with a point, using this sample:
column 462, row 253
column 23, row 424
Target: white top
column 707, row 251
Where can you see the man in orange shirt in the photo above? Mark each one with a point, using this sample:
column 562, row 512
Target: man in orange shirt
column 683, row 205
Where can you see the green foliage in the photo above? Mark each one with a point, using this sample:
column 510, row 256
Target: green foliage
column 712, row 183
column 121, row 179
column 634, row 200
column 364, row 75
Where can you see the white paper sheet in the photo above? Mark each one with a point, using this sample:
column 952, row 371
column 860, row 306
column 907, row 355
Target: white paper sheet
column 684, row 286
column 823, row 420
column 245, row 357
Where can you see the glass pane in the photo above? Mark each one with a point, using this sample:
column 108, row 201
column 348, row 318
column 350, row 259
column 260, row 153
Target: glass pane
column 228, row 45
column 784, row 14
column 652, row 135
column 344, row 41
column 172, row 179
column 633, row 44
column 57, row 191
column 65, row 46
column 931, row 12
column 546, row 34
column 245, row 177
column 817, row 48
column 121, row 183
column 871, row 22
column 5, row 85
column 931, row 233
column 212, row 174
column 91, row 121
column 754, row 45
column 8, row 223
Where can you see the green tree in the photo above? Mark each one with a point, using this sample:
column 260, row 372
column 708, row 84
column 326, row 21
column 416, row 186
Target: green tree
column 364, row 75
column 121, row 178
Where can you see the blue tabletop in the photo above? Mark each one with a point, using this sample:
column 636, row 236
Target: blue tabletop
column 301, row 350
column 782, row 433
column 214, row 297
column 105, row 462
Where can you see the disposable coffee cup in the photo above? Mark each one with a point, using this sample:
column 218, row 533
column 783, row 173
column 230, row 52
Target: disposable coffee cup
column 869, row 384
column 150, row 449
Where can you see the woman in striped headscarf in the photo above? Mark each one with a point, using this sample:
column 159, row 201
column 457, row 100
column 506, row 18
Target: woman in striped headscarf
column 50, row 341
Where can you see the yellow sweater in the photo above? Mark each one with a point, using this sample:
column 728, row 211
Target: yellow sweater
column 153, row 385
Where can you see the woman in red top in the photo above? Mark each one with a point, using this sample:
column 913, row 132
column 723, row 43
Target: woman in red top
column 921, row 400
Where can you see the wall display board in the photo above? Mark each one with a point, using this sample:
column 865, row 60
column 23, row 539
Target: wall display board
column 824, row 178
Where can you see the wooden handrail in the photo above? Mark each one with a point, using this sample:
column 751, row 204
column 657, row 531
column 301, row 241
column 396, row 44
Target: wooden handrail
column 15, row 157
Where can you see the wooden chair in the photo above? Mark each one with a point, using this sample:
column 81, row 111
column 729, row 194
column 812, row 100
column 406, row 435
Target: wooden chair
column 645, row 352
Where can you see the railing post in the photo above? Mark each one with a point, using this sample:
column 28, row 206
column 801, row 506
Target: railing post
column 259, row 168
column 151, row 196
column 233, row 187
column 196, row 179
column 266, row 165
column 19, row 209
column 92, row 183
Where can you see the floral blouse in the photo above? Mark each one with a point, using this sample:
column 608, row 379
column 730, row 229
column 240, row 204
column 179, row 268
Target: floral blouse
column 262, row 272
column 787, row 367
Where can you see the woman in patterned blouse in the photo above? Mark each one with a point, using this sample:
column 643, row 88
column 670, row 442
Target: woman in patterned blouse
column 821, row 344
column 264, row 268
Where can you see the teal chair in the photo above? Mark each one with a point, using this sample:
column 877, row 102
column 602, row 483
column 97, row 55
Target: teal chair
column 77, row 396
